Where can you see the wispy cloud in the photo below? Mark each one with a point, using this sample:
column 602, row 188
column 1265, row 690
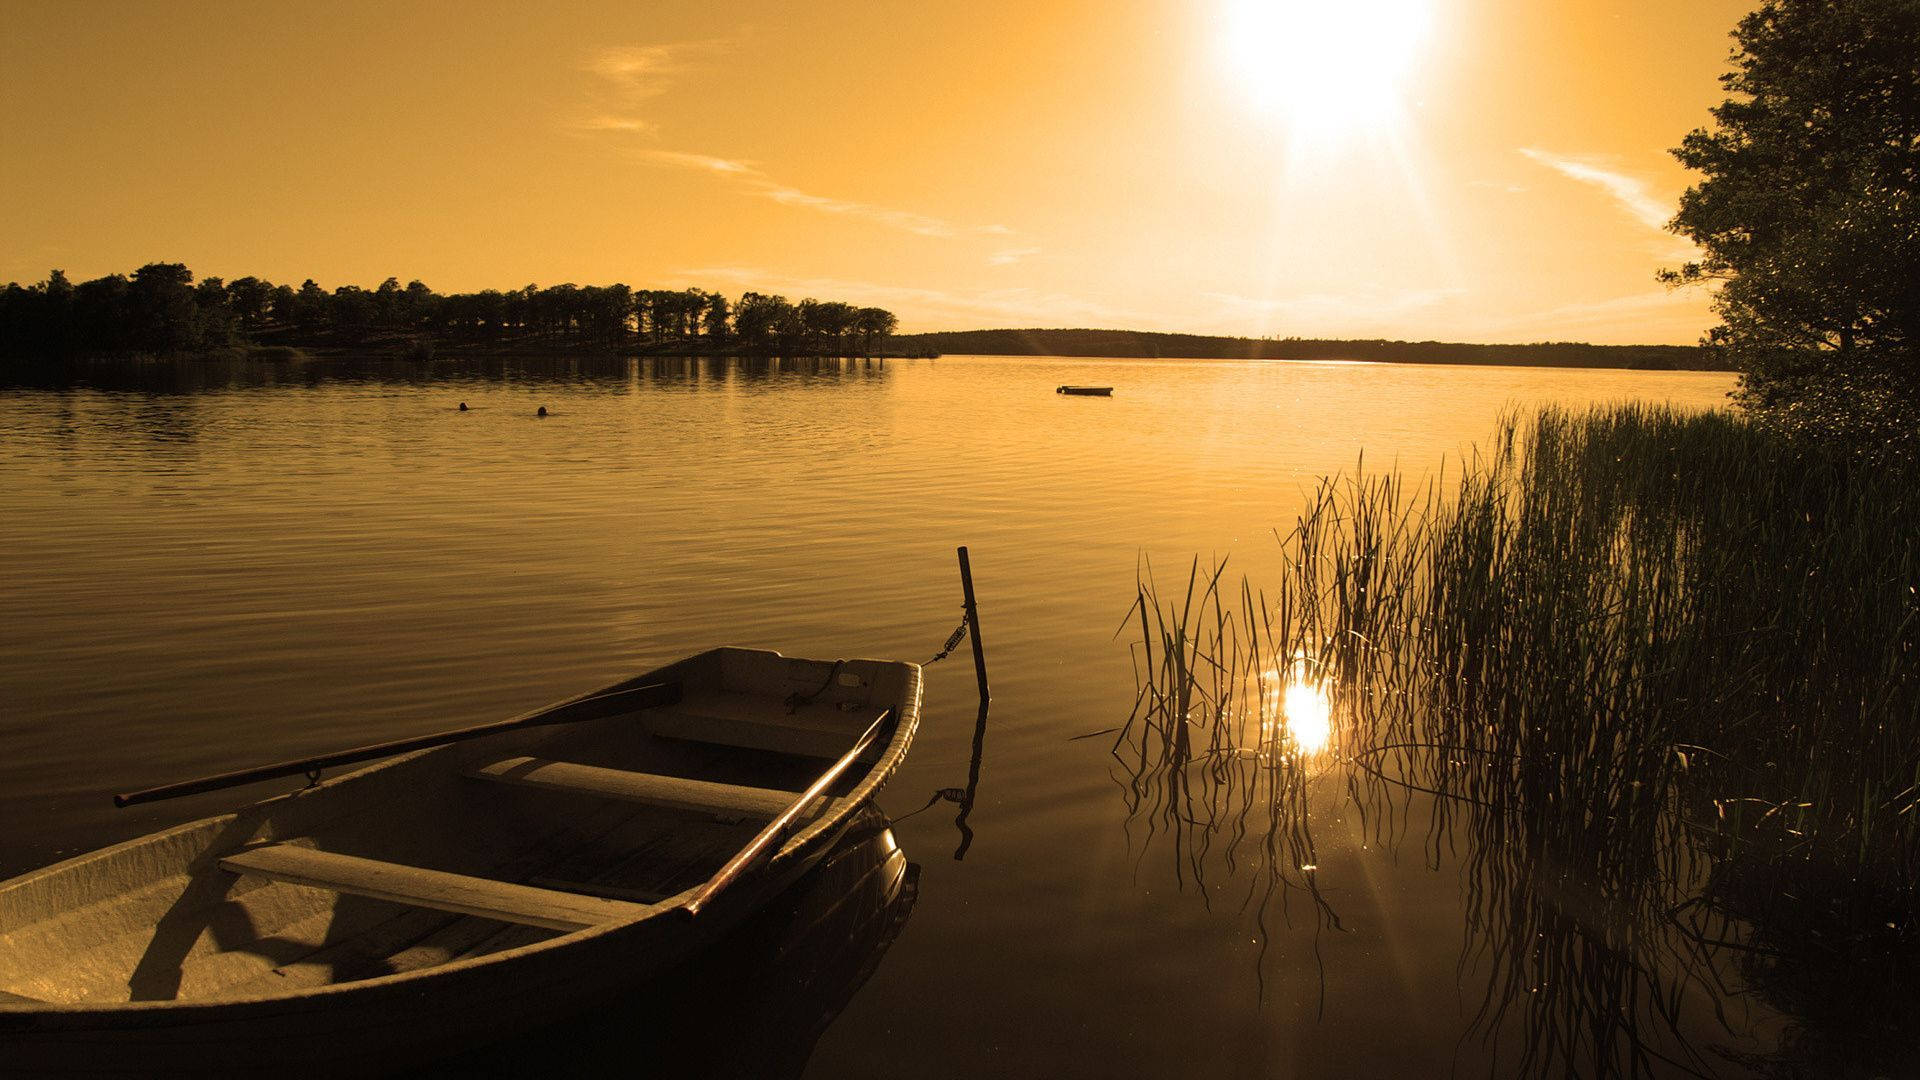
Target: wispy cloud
column 626, row 77
column 745, row 176
column 1630, row 192
column 1010, row 256
column 700, row 162
column 631, row 125
column 636, row 72
column 904, row 220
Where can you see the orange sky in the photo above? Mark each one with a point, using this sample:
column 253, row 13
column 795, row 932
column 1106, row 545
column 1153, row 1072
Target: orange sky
column 1208, row 165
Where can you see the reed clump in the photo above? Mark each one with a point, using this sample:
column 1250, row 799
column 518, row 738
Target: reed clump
column 1660, row 670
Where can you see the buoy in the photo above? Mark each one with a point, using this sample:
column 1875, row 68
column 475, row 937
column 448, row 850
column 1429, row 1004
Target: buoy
column 463, row 406
column 542, row 411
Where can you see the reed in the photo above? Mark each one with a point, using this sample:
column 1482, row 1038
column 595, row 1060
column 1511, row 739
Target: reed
column 1659, row 670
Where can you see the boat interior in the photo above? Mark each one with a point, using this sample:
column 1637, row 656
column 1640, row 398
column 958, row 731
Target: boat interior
column 461, row 851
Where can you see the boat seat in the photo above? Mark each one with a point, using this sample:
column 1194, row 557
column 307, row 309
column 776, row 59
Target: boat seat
column 731, row 802
column 821, row 729
column 489, row 899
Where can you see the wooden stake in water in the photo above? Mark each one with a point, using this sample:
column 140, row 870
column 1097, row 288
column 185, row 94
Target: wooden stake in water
column 980, row 722
column 973, row 628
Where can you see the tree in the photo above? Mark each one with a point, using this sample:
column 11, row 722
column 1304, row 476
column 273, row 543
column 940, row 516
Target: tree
column 419, row 304
column 213, row 314
column 828, row 322
column 311, row 308
column 161, row 314
column 56, row 315
column 1809, row 216
column 790, row 326
column 716, row 318
column 251, row 299
column 386, row 303
column 353, row 311
column 756, row 317
column 871, row 325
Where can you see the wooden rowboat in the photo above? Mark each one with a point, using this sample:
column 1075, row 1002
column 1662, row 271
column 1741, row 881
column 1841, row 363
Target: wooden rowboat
column 457, row 894
column 1086, row 391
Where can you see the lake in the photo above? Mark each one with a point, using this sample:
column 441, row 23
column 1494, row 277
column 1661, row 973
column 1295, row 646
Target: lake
column 209, row 567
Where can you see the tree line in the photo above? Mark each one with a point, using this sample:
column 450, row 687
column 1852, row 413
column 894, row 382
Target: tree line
column 160, row 309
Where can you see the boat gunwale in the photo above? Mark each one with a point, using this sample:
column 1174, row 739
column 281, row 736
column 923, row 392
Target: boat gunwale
column 45, row 1016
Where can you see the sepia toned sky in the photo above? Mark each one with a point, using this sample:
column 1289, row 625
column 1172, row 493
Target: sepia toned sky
column 1479, row 170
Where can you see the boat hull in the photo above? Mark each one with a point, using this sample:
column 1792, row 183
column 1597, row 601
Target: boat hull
column 378, row 1026
column 391, row 1022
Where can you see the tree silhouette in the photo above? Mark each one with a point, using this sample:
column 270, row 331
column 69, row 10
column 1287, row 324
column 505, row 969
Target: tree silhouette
column 251, row 300
column 716, row 318
column 1809, row 216
column 160, row 311
column 873, row 325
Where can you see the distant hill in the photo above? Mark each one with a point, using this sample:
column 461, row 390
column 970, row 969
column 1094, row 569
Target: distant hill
column 1140, row 343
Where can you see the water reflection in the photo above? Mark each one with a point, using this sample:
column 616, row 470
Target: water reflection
column 350, row 558
column 202, row 376
column 1220, row 757
column 753, row 1005
column 1297, row 711
column 1585, row 931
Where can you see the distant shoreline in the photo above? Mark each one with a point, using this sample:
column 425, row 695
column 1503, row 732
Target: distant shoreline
column 1140, row 344
column 1075, row 344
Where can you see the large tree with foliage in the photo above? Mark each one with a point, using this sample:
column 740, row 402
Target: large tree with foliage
column 1809, row 216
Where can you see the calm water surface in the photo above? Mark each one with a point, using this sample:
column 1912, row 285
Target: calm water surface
column 206, row 569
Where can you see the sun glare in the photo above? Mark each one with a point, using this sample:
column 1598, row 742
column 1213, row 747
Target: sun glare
column 1296, row 715
column 1308, row 716
column 1330, row 70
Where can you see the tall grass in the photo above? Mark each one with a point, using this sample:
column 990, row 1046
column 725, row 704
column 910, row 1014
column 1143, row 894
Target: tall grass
column 1660, row 670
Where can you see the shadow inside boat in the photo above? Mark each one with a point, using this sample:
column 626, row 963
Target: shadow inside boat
column 756, row 1002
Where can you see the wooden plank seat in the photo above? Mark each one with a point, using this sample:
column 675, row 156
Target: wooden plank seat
column 730, row 802
column 821, row 729
column 498, row 900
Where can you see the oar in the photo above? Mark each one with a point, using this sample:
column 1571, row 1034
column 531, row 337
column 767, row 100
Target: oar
column 591, row 707
column 777, row 828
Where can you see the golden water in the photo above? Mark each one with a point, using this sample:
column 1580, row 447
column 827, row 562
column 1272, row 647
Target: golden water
column 205, row 569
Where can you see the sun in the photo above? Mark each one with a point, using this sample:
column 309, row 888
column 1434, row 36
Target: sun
column 1330, row 70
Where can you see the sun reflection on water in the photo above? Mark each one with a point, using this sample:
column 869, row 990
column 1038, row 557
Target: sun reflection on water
column 1297, row 714
column 1308, row 716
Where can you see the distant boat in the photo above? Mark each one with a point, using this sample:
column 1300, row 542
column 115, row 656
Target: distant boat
column 1087, row 391
column 457, row 894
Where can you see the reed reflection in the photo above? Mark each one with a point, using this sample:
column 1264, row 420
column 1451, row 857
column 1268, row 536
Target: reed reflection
column 1529, row 745
column 1224, row 744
